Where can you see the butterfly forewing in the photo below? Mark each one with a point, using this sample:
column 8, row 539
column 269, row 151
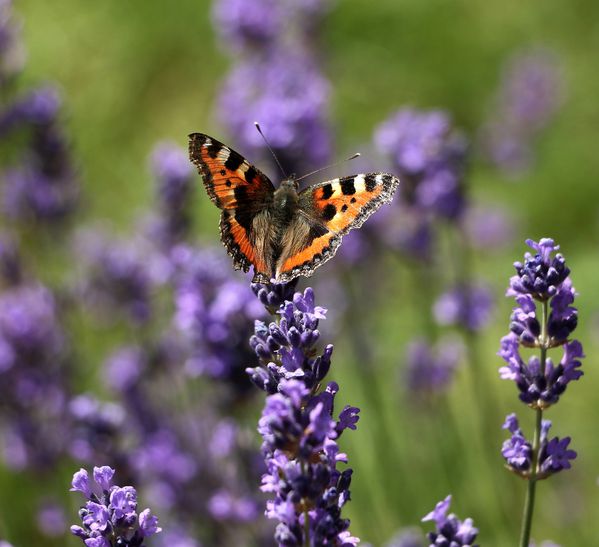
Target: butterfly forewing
column 327, row 211
column 242, row 192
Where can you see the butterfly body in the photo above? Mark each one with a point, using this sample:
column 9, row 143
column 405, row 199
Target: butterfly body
column 283, row 233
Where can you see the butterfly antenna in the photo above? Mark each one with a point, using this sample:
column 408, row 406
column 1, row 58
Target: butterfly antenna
column 271, row 150
column 356, row 155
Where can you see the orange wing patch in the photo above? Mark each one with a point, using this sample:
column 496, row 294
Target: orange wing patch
column 313, row 253
column 346, row 203
column 229, row 179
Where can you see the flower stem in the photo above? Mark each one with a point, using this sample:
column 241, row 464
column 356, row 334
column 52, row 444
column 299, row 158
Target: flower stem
column 306, row 528
column 529, row 503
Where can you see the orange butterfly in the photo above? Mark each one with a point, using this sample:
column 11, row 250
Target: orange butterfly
column 283, row 233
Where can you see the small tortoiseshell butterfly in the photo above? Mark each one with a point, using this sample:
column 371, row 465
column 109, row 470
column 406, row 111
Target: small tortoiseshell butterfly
column 283, row 233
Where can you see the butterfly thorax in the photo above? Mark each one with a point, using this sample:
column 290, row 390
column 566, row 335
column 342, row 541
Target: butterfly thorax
column 285, row 200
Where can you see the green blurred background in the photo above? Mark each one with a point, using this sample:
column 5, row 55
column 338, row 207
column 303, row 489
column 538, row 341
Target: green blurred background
column 139, row 71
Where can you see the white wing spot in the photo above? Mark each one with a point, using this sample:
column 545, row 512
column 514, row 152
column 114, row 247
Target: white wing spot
column 223, row 154
column 360, row 183
column 378, row 179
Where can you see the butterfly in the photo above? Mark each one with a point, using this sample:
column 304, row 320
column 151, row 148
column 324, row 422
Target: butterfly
column 282, row 233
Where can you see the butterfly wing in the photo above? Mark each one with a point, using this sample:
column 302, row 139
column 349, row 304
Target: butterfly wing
column 326, row 212
column 243, row 193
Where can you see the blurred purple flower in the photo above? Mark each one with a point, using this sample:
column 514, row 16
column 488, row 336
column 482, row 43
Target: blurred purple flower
column 43, row 185
column 175, row 185
column 51, row 519
column 260, row 24
column 531, row 91
column 488, row 227
column 286, row 93
column 429, row 157
column 33, row 376
column 118, row 276
column 431, row 369
column 469, row 307
column 95, row 429
column 39, row 107
column 215, row 311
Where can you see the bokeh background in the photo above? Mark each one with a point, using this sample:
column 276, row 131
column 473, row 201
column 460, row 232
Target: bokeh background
column 132, row 74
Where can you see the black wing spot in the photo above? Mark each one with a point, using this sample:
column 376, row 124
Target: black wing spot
column 233, row 161
column 370, row 184
column 329, row 212
column 327, row 191
column 316, row 231
column 352, row 200
column 228, row 183
column 213, row 149
column 223, row 172
column 347, row 187
column 243, row 215
column 344, row 208
column 251, row 174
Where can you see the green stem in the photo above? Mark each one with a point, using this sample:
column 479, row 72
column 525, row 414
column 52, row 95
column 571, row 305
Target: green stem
column 306, row 529
column 529, row 503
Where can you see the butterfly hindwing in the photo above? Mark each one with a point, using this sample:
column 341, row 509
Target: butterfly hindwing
column 243, row 193
column 327, row 211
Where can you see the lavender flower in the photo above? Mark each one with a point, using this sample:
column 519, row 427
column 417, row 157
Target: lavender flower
column 44, row 185
column 110, row 516
column 38, row 108
column 119, row 276
column 262, row 23
column 530, row 93
column 431, row 369
column 298, row 429
column 32, row 375
column 542, row 278
column 450, row 530
column 286, row 349
column 554, row 454
column 429, row 157
column 215, row 310
column 286, row 93
column 469, row 307
column 175, row 185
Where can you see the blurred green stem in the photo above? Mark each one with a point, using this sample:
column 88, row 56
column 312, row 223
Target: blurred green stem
column 529, row 503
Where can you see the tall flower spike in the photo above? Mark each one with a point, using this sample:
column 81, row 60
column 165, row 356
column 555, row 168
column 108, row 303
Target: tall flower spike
column 543, row 318
column 542, row 280
column 298, row 426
